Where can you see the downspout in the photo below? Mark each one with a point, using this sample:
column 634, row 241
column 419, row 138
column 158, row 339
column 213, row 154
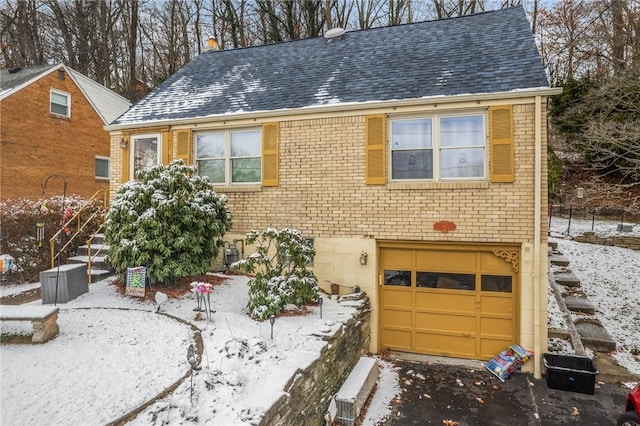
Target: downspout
column 536, row 241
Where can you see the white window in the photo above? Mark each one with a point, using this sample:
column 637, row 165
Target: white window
column 102, row 167
column 60, row 103
column 145, row 152
column 230, row 157
column 438, row 147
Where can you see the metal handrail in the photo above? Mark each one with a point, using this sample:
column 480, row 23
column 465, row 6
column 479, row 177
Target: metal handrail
column 76, row 216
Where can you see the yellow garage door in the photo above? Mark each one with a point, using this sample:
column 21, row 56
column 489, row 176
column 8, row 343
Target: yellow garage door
column 457, row 301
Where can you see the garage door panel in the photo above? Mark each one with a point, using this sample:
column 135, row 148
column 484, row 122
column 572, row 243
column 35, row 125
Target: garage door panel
column 426, row 321
column 499, row 327
column 397, row 339
column 397, row 298
column 445, row 261
column 446, row 345
column 397, row 258
column 446, row 300
column 496, row 305
column 398, row 318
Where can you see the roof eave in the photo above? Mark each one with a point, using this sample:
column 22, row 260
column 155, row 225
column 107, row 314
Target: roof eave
column 342, row 107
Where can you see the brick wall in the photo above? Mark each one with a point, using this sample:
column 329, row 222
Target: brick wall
column 35, row 144
column 322, row 191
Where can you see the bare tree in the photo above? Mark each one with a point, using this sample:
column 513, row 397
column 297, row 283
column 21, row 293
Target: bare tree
column 20, row 29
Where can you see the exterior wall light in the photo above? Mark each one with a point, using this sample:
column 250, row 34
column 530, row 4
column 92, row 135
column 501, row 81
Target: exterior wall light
column 124, row 143
column 363, row 258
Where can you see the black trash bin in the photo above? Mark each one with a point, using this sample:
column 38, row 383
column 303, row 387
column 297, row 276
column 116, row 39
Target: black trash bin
column 570, row 373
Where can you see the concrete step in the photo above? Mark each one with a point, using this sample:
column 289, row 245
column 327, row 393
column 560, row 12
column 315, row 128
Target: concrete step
column 610, row 372
column 595, row 336
column 558, row 260
column 98, row 262
column 101, row 249
column 578, row 304
column 99, row 274
column 355, row 391
column 553, row 245
column 567, row 279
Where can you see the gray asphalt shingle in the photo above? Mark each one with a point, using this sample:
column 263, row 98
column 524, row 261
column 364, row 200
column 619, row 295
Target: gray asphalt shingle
column 483, row 53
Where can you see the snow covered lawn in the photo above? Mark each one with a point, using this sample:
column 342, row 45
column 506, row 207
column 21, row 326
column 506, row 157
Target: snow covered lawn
column 114, row 353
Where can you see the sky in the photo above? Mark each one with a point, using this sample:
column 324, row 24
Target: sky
column 114, row 353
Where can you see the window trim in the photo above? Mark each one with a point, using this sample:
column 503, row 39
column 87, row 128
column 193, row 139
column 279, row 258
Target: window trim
column 228, row 158
column 51, row 103
column 132, row 150
column 108, row 160
column 437, row 148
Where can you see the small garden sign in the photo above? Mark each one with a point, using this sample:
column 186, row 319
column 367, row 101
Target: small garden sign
column 136, row 278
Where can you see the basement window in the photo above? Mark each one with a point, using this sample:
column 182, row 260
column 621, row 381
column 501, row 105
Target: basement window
column 60, row 103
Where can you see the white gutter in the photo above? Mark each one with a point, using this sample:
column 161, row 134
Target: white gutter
column 513, row 94
column 536, row 240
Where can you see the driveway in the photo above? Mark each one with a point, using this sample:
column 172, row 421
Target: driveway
column 467, row 394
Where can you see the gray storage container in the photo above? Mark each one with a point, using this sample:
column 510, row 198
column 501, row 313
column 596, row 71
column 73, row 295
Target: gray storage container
column 72, row 282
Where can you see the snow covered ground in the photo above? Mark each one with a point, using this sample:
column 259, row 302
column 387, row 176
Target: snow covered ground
column 114, row 353
column 610, row 277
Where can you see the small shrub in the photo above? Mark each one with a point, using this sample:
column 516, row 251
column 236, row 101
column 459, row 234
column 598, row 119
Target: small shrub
column 280, row 273
column 169, row 220
column 18, row 233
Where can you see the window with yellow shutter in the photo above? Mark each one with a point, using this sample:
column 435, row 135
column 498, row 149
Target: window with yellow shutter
column 230, row 156
column 438, row 147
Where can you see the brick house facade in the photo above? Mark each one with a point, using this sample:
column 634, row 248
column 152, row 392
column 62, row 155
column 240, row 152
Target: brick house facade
column 36, row 143
column 455, row 266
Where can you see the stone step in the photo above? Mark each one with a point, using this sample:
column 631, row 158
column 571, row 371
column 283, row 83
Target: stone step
column 567, row 279
column 578, row 304
column 595, row 336
column 558, row 259
column 553, row 245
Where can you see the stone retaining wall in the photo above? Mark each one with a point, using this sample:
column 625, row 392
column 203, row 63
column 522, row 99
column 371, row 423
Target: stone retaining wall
column 617, row 241
column 309, row 391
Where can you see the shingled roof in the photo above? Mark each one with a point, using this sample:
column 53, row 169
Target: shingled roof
column 483, row 53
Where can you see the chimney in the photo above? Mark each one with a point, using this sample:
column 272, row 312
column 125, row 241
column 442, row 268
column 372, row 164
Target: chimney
column 212, row 44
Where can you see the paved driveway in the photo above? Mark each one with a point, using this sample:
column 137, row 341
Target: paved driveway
column 433, row 393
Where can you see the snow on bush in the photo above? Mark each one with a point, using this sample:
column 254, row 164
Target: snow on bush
column 169, row 220
column 280, row 268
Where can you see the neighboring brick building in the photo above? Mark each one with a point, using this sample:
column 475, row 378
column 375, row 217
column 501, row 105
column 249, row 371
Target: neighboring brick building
column 421, row 145
column 53, row 122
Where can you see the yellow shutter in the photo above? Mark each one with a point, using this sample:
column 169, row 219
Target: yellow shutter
column 375, row 149
column 126, row 153
column 270, row 154
column 501, row 154
column 165, row 154
column 183, row 148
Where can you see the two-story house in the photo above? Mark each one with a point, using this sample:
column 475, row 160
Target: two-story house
column 414, row 156
column 53, row 120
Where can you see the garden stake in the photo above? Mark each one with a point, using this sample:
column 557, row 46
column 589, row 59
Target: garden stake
column 272, row 320
column 320, row 302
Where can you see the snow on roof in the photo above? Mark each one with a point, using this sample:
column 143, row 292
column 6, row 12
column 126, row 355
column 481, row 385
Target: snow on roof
column 492, row 52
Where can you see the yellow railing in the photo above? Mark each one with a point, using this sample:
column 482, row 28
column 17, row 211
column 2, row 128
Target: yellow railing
column 81, row 226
